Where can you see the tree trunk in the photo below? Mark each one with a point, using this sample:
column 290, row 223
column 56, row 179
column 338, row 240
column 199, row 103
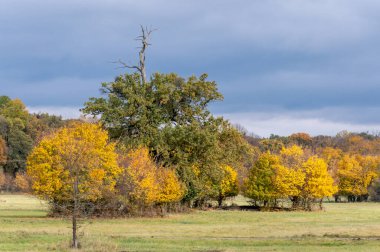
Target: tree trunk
column 75, row 243
column 295, row 202
column 142, row 61
column 144, row 38
column 337, row 198
column 220, row 201
column 75, row 238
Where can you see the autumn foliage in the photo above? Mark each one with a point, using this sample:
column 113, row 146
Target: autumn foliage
column 2, row 179
column 131, row 180
column 318, row 183
column 144, row 183
column 191, row 159
column 289, row 175
column 81, row 155
column 3, row 151
column 22, row 182
column 355, row 174
column 79, row 150
column 228, row 186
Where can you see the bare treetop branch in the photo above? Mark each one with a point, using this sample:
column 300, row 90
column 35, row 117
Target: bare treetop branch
column 144, row 38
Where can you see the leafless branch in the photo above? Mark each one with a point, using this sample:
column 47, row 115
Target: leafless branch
column 144, row 39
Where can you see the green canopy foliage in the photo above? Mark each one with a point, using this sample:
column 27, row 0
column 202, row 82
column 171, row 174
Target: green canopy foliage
column 169, row 115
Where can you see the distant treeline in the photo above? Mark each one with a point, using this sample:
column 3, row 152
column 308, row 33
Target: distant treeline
column 363, row 143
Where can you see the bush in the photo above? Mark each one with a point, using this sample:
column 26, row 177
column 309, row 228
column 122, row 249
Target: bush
column 22, row 182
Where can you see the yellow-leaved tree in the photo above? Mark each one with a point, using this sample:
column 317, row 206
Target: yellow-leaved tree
column 74, row 165
column 144, row 184
column 318, row 182
column 229, row 185
column 290, row 177
column 356, row 173
column 369, row 172
column 169, row 187
column 349, row 170
column 288, row 183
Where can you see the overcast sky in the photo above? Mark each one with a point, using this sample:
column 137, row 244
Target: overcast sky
column 283, row 66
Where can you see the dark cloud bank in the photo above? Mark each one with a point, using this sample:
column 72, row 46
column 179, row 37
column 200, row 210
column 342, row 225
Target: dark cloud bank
column 283, row 66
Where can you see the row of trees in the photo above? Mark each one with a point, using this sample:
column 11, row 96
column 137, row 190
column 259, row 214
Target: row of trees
column 352, row 159
column 79, row 165
column 205, row 155
column 305, row 177
column 77, row 168
column 209, row 157
column 291, row 174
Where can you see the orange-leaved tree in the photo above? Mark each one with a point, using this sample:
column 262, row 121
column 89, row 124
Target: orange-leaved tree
column 2, row 179
column 74, row 165
column 138, row 183
column 22, row 182
column 144, row 184
column 3, row 151
column 292, row 157
column 332, row 157
column 301, row 138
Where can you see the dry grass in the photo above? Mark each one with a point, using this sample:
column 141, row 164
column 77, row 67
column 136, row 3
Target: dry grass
column 341, row 227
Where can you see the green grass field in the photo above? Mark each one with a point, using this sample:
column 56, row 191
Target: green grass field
column 341, row 227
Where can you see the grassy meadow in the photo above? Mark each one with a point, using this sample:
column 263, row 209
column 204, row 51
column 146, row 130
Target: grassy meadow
column 341, row 227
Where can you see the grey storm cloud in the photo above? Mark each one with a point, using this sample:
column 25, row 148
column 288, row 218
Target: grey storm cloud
column 274, row 60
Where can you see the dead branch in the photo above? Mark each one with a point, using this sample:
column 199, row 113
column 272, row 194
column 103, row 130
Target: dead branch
column 144, row 39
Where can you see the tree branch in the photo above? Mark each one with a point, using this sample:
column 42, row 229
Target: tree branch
column 144, row 39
